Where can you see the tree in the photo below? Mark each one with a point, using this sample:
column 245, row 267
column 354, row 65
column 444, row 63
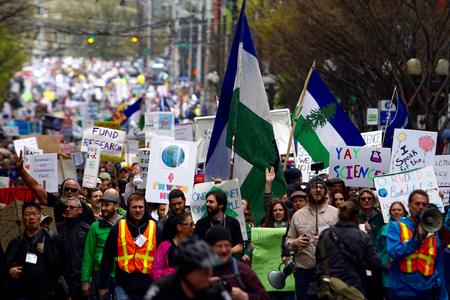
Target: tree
column 361, row 49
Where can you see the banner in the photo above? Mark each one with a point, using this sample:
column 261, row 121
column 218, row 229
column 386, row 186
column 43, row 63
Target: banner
column 442, row 169
column 143, row 161
column 29, row 142
column 412, row 149
column 159, row 124
column 110, row 141
column 373, row 138
column 398, row 186
column 267, row 255
column 357, row 166
column 91, row 167
column 22, row 193
column 44, row 169
column 173, row 165
column 234, row 202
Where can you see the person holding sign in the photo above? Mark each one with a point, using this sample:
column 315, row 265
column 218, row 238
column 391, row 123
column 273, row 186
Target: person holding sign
column 416, row 255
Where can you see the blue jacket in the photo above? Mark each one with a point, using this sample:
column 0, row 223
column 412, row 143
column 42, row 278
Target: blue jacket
column 412, row 284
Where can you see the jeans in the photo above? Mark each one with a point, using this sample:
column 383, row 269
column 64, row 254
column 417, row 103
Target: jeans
column 121, row 294
column 303, row 278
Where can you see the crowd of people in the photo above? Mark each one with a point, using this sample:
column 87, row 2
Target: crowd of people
column 110, row 243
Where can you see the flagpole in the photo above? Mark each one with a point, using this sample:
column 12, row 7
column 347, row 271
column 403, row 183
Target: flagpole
column 389, row 115
column 297, row 113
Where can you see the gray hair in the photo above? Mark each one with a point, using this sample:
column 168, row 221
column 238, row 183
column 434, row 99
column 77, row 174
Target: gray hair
column 72, row 198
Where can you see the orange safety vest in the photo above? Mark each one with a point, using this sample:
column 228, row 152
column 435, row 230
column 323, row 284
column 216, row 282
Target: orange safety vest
column 131, row 257
column 422, row 259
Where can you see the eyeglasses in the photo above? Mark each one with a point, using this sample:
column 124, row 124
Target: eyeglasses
column 70, row 207
column 72, row 190
column 366, row 198
column 188, row 224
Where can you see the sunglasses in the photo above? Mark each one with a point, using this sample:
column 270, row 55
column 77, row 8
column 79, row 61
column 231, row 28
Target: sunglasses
column 72, row 190
column 70, row 207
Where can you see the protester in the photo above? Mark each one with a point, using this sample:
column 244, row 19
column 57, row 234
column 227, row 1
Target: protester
column 177, row 206
column 163, row 264
column 95, row 243
column 278, row 215
column 347, row 250
column 243, row 281
column 337, row 199
column 137, row 236
column 32, row 261
column 249, row 223
column 72, row 234
column 416, row 255
column 303, row 233
column 396, row 211
column 298, row 200
column 335, row 185
column 368, row 215
column 194, row 262
column 94, row 196
column 216, row 204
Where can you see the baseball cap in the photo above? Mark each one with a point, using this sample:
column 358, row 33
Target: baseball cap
column 111, row 198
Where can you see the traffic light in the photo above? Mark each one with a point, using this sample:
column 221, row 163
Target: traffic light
column 134, row 39
column 91, row 39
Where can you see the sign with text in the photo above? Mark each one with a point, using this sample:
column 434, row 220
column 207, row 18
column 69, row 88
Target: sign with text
column 91, row 167
column 442, row 169
column 173, row 165
column 159, row 124
column 21, row 143
column 110, row 141
column 373, row 138
column 143, row 161
column 234, row 201
column 412, row 149
column 358, row 166
column 184, row 132
column 44, row 168
column 398, row 186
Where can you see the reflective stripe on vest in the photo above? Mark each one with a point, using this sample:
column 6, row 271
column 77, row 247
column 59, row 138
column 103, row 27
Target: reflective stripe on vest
column 132, row 258
column 422, row 259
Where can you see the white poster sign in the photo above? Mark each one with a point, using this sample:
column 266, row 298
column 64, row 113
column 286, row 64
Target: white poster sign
column 373, row 138
column 44, row 168
column 442, row 169
column 159, row 124
column 281, row 122
column 234, row 204
column 173, row 165
column 10, row 130
column 412, row 149
column 398, row 186
column 29, row 142
column 184, row 132
column 110, row 141
column 143, row 161
column 91, row 167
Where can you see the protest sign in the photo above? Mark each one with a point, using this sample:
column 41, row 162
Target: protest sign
column 442, row 169
column 281, row 123
column 110, row 141
column 398, row 186
column 184, row 132
column 159, row 124
column 266, row 255
column 412, row 149
column 373, row 138
column 446, row 191
column 304, row 162
column 22, row 193
column 48, row 143
column 78, row 159
column 44, row 168
column 27, row 152
column 91, row 167
column 143, row 161
column 29, row 142
column 10, row 130
column 173, row 165
column 111, row 125
column 4, row 182
column 131, row 151
column 66, row 169
column 357, row 166
column 234, row 204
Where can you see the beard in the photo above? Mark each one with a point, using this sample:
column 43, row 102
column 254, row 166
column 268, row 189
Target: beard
column 316, row 199
column 212, row 210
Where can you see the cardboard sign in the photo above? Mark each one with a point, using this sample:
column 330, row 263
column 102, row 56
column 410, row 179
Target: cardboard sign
column 412, row 149
column 184, row 132
column 442, row 169
column 44, row 168
column 234, row 201
column 373, row 138
column 398, row 186
column 110, row 141
column 22, row 193
column 159, row 124
column 21, row 143
column 143, row 161
column 91, row 167
column 49, row 143
column 357, row 166
column 173, row 165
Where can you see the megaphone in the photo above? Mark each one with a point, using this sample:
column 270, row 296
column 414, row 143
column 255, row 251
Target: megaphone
column 277, row 278
column 431, row 220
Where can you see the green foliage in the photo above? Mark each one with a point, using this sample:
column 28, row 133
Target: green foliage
column 319, row 117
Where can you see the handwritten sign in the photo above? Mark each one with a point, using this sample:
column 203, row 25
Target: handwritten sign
column 373, row 138
column 442, row 169
column 44, row 168
column 357, row 166
column 398, row 186
column 173, row 166
column 143, row 161
column 29, row 142
column 412, row 149
column 110, row 141
column 234, row 201
column 91, row 167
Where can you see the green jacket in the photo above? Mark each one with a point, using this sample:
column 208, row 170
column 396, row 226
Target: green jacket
column 375, row 221
column 93, row 248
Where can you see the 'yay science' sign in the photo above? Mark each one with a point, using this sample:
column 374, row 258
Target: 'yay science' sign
column 358, row 166
column 398, row 186
column 234, row 201
column 110, row 141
